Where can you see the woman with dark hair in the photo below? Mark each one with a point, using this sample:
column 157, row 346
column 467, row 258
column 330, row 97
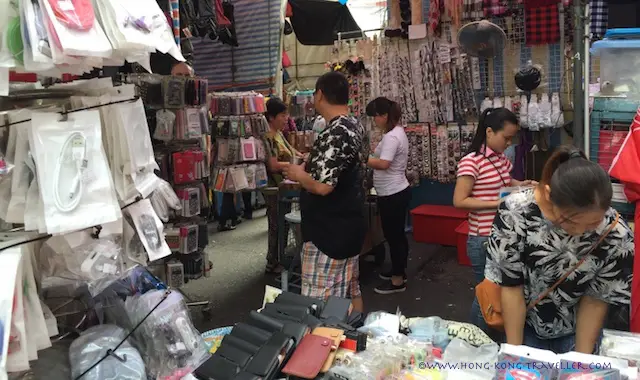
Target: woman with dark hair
column 280, row 154
column 481, row 174
column 561, row 255
column 389, row 162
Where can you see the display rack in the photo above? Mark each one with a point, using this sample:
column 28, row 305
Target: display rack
column 238, row 124
column 178, row 118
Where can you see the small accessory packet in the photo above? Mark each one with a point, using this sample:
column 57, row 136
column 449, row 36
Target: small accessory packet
column 309, row 357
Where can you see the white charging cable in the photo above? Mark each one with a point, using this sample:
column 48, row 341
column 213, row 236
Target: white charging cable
column 77, row 144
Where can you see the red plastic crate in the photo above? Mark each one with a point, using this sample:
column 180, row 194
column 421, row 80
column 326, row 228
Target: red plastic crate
column 436, row 224
column 462, row 232
column 609, row 144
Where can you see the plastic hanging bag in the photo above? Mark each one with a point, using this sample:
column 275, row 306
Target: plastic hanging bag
column 93, row 345
column 73, row 174
column 171, row 346
column 22, row 175
column 150, row 229
column 99, row 263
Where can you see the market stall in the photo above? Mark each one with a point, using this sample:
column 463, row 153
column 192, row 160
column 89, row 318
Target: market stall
column 301, row 337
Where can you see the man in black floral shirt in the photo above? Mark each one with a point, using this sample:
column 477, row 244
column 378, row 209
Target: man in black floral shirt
column 332, row 199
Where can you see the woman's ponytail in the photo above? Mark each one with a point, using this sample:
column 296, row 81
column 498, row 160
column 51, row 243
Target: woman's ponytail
column 494, row 118
column 480, row 138
column 575, row 182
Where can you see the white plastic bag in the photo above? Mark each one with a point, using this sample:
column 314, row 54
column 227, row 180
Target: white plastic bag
column 150, row 229
column 73, row 174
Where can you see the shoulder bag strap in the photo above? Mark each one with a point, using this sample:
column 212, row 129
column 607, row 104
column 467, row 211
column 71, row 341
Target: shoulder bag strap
column 573, row 269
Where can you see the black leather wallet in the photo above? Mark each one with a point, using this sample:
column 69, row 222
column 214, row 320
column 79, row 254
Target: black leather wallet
column 294, row 329
column 295, row 311
column 266, row 362
column 217, row 368
column 336, row 307
column 239, row 343
column 315, row 305
column 250, row 334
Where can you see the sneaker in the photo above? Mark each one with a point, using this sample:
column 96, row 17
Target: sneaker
column 387, row 276
column 226, row 227
column 389, row 288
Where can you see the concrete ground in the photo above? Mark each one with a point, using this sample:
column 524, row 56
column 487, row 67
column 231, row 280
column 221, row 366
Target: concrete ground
column 437, row 285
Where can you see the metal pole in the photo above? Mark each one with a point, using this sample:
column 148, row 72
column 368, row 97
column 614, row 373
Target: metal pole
column 587, row 74
column 578, row 92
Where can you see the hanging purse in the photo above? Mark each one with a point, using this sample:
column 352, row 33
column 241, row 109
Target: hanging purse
column 488, row 293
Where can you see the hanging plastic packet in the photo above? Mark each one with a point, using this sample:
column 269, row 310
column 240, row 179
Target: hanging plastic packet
column 150, row 229
column 165, row 122
column 74, row 178
column 170, row 344
column 22, row 175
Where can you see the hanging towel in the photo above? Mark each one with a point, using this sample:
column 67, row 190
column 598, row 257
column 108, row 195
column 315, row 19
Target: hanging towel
column 599, row 17
column 542, row 24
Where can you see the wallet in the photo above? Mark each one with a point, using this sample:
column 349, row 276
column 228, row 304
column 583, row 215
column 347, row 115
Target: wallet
column 309, row 358
column 336, row 307
column 295, row 330
column 313, row 304
column 336, row 336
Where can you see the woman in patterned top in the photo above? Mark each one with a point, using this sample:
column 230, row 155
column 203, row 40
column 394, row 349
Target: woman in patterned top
column 541, row 234
column 280, row 154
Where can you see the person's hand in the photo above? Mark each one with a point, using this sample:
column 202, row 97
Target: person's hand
column 529, row 182
column 182, row 69
column 305, row 157
column 293, row 172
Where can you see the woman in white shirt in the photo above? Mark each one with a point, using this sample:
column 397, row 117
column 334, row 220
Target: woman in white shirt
column 394, row 194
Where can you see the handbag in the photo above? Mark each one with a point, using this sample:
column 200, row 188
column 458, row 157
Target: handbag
column 488, row 292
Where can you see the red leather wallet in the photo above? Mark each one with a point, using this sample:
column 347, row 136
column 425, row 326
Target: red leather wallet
column 309, row 357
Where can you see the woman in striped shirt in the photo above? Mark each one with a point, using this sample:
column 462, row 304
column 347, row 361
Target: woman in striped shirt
column 481, row 174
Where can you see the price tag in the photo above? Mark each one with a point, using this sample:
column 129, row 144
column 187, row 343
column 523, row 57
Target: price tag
column 444, row 53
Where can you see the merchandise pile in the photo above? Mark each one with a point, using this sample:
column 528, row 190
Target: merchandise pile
column 55, row 37
column 85, row 212
column 306, row 338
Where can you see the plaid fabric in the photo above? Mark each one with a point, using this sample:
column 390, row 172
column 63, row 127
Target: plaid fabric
column 472, row 10
column 599, row 17
column 323, row 276
column 494, row 8
column 542, row 24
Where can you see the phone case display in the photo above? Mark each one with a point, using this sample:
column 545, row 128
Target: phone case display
column 181, row 124
column 435, row 150
column 172, row 92
column 236, row 103
column 189, row 166
column 240, row 151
